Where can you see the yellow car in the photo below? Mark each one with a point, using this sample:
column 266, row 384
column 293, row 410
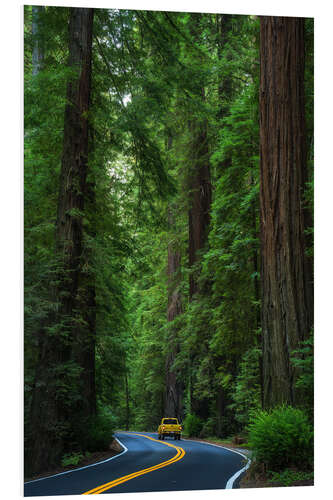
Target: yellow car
column 169, row 427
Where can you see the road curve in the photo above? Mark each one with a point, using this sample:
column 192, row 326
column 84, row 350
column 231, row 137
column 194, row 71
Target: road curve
column 147, row 465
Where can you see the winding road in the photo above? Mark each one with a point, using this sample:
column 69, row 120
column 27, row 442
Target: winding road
column 147, row 465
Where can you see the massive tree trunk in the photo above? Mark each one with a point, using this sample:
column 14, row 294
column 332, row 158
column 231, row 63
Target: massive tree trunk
column 223, row 28
column 286, row 286
column 127, row 414
column 84, row 333
column 65, row 371
column 200, row 191
column 200, row 196
column 76, row 293
column 174, row 386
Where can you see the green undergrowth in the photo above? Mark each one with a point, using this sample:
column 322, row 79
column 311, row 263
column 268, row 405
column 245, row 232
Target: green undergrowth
column 289, row 476
column 192, row 425
column 282, row 439
column 73, row 458
column 258, row 476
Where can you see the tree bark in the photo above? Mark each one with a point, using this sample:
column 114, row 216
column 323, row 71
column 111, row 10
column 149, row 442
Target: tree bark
column 223, row 28
column 127, row 415
column 200, row 191
column 200, row 197
column 77, row 288
column 287, row 307
column 174, row 386
column 68, row 339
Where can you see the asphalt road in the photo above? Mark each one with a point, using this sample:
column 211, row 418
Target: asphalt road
column 146, row 465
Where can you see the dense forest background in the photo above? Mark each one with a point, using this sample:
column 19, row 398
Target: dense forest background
column 168, row 223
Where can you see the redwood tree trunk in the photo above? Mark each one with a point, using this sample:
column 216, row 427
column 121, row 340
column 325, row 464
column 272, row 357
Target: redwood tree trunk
column 200, row 191
column 77, row 288
column 224, row 29
column 174, row 386
column 200, row 197
column 65, row 343
column 286, row 290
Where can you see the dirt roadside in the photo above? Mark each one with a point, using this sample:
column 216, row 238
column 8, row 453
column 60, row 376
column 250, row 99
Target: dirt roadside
column 97, row 456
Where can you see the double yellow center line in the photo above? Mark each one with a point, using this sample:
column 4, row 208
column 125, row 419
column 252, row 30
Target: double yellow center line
column 179, row 455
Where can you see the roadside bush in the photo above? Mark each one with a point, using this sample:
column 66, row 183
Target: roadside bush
column 303, row 361
column 282, row 438
column 208, row 428
column 100, row 432
column 288, row 477
column 192, row 425
column 71, row 459
column 246, row 388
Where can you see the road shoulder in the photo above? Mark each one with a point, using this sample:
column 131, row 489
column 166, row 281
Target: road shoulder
column 232, row 447
column 96, row 457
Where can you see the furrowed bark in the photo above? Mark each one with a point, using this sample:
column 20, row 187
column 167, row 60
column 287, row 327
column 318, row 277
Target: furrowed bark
column 286, row 285
column 200, row 197
column 174, row 386
column 224, row 27
column 199, row 177
column 67, row 339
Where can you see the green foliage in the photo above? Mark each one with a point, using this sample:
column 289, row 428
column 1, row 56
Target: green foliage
column 147, row 318
column 208, row 427
column 282, row 437
column 192, row 425
column 71, row 459
column 99, row 431
column 246, row 391
column 303, row 361
column 289, row 476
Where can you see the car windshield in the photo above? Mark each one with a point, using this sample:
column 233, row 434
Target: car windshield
column 170, row 421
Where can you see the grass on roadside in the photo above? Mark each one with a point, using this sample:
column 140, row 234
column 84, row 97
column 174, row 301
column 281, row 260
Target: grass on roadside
column 288, row 477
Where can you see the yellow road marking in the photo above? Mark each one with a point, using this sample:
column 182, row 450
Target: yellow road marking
column 103, row 487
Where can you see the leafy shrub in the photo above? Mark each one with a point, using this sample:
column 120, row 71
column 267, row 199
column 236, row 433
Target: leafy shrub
column 192, row 425
column 282, row 438
column 303, row 361
column 246, row 393
column 208, row 428
column 288, row 477
column 71, row 459
column 100, row 430
column 227, row 425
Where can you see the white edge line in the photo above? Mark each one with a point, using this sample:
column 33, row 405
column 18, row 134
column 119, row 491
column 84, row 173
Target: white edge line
column 231, row 481
column 85, row 467
column 233, row 478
